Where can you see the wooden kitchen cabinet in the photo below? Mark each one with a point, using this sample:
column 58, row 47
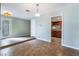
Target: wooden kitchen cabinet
column 56, row 32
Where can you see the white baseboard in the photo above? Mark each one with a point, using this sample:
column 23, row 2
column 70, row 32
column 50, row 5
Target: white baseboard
column 42, row 39
column 70, row 46
column 62, row 44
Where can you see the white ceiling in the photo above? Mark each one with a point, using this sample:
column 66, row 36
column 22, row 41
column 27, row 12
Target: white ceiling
column 18, row 9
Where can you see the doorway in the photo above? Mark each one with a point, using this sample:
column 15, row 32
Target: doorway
column 56, row 31
column 5, row 28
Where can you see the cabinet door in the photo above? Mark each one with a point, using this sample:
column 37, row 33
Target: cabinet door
column 54, row 33
column 59, row 34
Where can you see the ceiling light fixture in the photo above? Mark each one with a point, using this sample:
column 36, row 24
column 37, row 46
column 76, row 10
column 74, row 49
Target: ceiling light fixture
column 37, row 11
column 7, row 13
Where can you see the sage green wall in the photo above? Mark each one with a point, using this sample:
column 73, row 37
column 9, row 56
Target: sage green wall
column 20, row 27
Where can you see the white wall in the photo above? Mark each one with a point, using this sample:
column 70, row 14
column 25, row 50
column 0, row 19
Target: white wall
column 33, row 27
column 71, row 27
column 42, row 27
column 70, row 18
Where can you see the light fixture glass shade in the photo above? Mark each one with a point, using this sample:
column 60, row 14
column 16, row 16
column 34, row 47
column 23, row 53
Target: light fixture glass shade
column 7, row 13
column 37, row 15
